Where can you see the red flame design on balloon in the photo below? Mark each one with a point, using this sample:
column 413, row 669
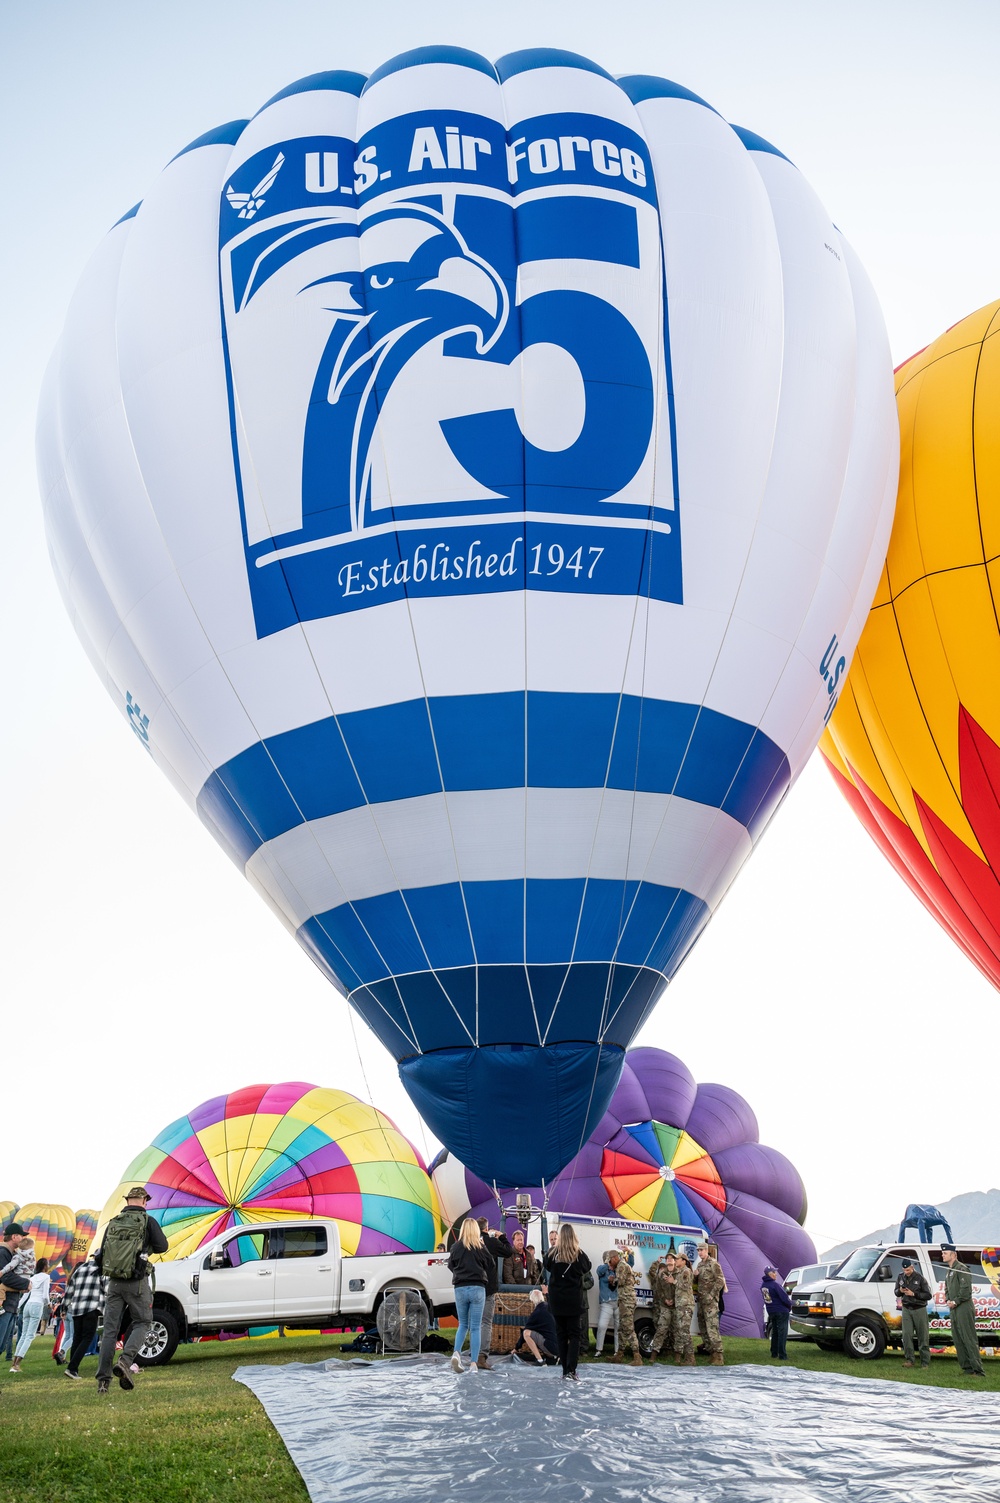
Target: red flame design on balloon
column 957, row 887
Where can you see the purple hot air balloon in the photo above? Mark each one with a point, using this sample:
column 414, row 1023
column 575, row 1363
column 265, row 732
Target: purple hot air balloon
column 670, row 1150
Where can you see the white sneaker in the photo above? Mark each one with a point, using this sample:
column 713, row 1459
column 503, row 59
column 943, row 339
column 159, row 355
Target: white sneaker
column 456, row 1363
column 473, row 1370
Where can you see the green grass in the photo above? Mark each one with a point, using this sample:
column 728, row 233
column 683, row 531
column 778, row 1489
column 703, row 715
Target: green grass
column 189, row 1433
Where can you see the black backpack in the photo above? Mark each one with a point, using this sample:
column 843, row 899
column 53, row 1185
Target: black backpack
column 366, row 1341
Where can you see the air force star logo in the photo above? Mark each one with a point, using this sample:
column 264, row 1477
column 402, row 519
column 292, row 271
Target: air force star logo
column 249, row 203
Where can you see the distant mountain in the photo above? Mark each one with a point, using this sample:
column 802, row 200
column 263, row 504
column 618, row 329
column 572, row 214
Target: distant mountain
column 974, row 1217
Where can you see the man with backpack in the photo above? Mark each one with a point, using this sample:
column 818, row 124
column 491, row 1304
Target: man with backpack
column 122, row 1258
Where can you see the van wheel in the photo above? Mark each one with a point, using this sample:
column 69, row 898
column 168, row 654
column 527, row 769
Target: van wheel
column 645, row 1330
column 864, row 1338
column 161, row 1340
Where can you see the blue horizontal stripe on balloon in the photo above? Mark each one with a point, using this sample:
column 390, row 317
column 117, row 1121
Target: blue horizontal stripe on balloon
column 513, row 740
column 420, row 942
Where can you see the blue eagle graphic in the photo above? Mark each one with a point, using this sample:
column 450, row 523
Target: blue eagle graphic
column 429, row 285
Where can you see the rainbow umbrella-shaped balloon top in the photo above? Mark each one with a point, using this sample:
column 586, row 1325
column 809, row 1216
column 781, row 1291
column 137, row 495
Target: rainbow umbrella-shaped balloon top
column 279, row 1153
column 52, row 1226
column 647, row 1167
column 8, row 1211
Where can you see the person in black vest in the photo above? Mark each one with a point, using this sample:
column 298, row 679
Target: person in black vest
column 132, row 1294
column 565, row 1266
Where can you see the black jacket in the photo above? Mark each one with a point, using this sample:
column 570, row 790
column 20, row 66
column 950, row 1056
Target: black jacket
column 17, row 1282
column 469, row 1265
column 541, row 1321
column 913, row 1289
column 565, row 1281
column 497, row 1247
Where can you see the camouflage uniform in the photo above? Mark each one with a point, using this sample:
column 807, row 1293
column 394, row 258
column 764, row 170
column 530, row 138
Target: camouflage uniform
column 958, row 1287
column 709, row 1285
column 683, row 1311
column 663, row 1306
column 627, row 1339
column 652, row 1275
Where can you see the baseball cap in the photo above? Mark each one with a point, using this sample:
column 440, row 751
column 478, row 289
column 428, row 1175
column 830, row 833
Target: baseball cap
column 136, row 1191
column 15, row 1229
column 770, row 1268
column 908, row 1263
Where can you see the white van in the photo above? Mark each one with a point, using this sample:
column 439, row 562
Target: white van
column 856, row 1310
column 642, row 1242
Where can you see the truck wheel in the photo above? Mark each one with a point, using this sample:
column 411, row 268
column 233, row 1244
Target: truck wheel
column 864, row 1338
column 645, row 1330
column 161, row 1340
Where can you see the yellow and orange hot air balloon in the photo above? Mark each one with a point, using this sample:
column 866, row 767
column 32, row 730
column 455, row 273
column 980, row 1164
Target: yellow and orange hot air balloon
column 915, row 740
column 52, row 1227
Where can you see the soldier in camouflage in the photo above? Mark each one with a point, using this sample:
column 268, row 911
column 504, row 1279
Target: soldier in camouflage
column 710, row 1282
column 683, row 1312
column 663, row 1281
column 627, row 1339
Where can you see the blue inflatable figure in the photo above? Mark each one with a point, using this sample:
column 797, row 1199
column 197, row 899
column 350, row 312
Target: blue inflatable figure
column 923, row 1218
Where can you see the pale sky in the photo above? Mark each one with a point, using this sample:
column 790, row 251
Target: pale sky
column 140, row 972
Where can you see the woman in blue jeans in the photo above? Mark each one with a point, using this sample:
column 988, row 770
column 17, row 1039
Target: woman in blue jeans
column 34, row 1307
column 469, row 1264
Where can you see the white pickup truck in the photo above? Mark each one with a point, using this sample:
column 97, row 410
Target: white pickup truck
column 285, row 1273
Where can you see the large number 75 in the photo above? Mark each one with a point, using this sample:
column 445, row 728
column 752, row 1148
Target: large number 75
column 615, row 435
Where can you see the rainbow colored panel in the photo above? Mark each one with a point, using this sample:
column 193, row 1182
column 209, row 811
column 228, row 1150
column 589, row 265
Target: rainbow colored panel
column 648, row 1171
column 283, row 1153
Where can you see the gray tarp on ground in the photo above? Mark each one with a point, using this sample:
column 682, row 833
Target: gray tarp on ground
column 411, row 1429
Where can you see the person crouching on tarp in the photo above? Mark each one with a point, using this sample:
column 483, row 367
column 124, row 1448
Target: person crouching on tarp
column 539, row 1336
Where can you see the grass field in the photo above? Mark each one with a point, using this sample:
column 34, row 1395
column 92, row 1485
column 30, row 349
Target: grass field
column 189, row 1433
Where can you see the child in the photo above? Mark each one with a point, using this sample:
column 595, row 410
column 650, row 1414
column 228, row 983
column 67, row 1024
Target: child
column 23, row 1261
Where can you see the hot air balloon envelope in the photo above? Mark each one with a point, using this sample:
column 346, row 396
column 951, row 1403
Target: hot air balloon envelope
column 280, row 1152
column 915, row 741
column 52, row 1227
column 458, row 477
column 672, row 1152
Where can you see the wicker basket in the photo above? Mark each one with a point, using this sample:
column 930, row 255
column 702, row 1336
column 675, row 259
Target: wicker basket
column 510, row 1316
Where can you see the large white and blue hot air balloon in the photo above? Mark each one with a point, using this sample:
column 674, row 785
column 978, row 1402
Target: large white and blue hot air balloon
column 471, row 482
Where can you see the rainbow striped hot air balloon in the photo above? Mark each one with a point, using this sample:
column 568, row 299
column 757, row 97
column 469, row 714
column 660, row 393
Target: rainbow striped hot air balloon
column 86, row 1226
column 8, row 1211
column 278, row 1153
column 915, row 741
column 52, row 1227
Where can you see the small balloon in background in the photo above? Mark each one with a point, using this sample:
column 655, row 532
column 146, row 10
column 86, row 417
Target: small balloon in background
column 53, row 1228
